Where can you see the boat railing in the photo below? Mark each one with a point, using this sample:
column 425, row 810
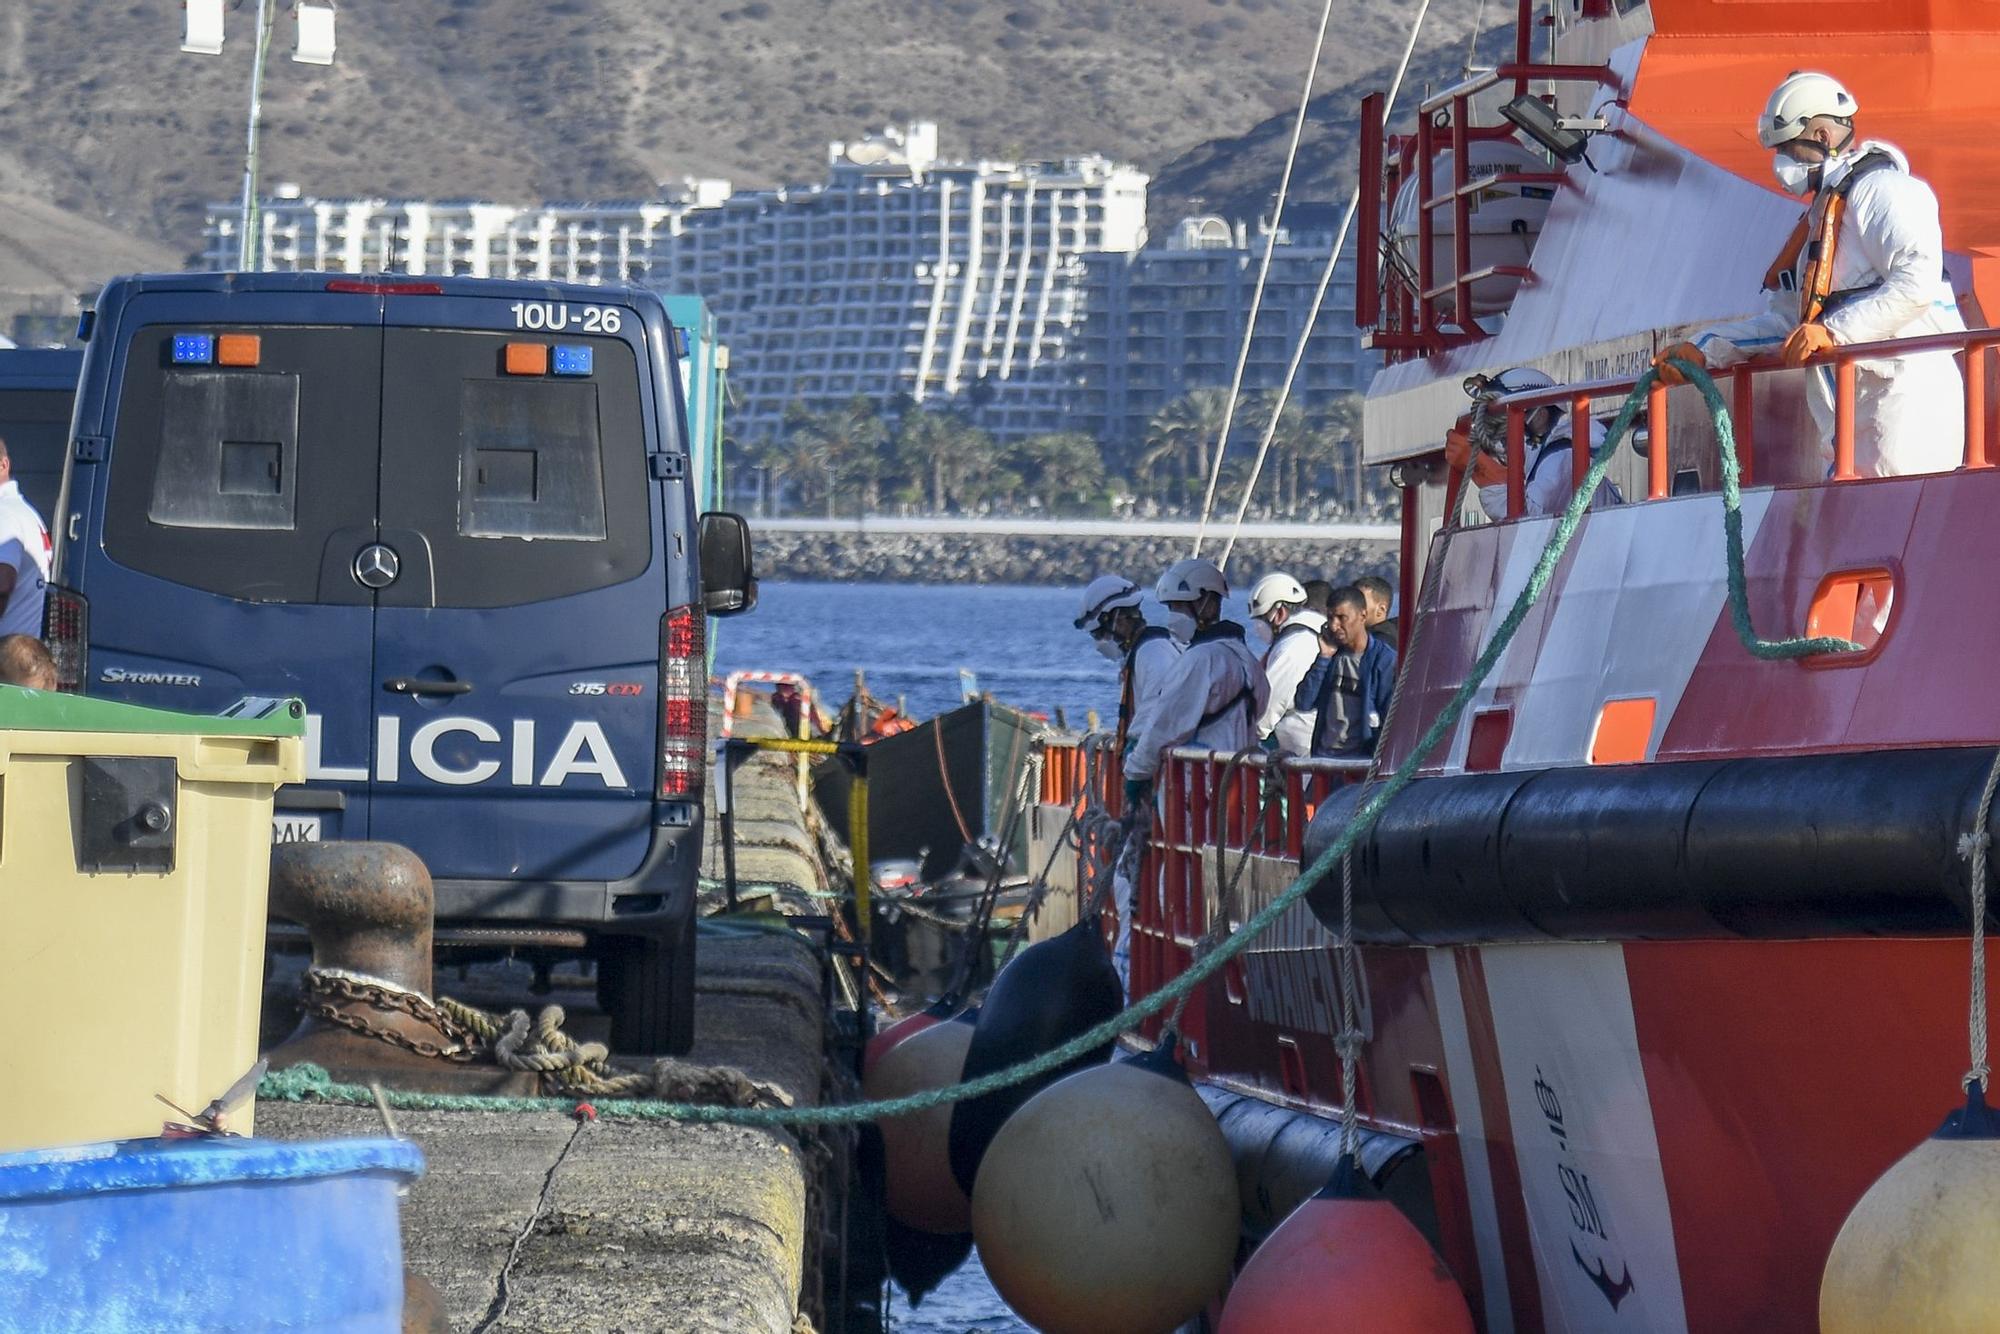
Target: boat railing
column 1215, row 815
column 1206, row 798
column 1971, row 347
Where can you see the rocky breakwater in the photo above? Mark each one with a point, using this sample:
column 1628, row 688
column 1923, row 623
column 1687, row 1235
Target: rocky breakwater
column 990, row 558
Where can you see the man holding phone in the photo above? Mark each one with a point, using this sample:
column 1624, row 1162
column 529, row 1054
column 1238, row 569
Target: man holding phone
column 1350, row 684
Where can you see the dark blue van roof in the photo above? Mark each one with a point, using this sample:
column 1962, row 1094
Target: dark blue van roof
column 441, row 284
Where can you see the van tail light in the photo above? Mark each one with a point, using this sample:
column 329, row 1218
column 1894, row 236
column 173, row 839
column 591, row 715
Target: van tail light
column 66, row 630
column 683, row 704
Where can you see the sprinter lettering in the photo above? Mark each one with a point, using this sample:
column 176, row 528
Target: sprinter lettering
column 583, row 752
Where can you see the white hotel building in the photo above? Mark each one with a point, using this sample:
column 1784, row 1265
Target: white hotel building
column 897, row 277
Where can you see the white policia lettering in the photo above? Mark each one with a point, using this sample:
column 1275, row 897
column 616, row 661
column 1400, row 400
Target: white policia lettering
column 584, row 751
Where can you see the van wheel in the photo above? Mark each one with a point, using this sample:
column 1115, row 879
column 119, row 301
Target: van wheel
column 646, row 985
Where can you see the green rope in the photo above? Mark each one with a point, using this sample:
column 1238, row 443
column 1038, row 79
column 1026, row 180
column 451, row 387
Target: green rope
column 1732, row 527
column 303, row 1082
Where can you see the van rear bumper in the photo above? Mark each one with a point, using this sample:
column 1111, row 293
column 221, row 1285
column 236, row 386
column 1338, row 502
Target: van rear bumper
column 657, row 899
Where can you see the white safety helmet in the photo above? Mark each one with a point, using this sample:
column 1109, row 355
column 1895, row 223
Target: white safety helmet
column 1107, row 592
column 1275, row 590
column 1186, row 580
column 1803, row 95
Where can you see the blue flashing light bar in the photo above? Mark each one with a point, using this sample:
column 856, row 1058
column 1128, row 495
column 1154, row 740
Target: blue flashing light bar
column 194, row 349
column 572, row 359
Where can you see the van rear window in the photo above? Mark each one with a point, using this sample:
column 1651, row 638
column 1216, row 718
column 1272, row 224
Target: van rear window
column 525, row 487
column 229, row 450
column 532, row 464
column 255, row 483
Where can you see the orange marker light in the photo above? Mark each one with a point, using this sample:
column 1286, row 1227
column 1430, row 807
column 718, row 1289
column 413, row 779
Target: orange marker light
column 527, row 359
column 239, row 350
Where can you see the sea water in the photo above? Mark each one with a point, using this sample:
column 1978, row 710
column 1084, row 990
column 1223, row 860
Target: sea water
column 913, row 640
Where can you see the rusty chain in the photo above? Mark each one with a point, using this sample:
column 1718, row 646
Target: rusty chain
column 329, row 993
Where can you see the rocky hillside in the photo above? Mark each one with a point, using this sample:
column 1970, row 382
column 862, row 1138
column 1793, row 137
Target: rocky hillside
column 1236, row 175
column 105, row 123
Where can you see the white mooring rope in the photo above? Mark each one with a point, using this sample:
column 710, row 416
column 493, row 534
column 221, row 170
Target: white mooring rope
column 1348, row 1042
column 1312, row 316
column 1263, row 271
column 1975, row 846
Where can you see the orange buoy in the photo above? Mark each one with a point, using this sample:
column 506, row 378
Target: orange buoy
column 1107, row 1204
column 916, row 1148
column 1346, row 1259
column 1917, row 1252
column 907, row 1027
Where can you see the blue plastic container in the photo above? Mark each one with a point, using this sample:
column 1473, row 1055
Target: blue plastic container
column 204, row 1235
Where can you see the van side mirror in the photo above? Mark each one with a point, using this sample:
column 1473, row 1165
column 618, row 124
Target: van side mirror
column 728, row 580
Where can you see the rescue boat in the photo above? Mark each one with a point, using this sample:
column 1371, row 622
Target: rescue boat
column 1664, row 952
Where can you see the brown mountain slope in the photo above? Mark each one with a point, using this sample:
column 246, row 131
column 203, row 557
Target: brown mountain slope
column 1236, row 175
column 107, row 120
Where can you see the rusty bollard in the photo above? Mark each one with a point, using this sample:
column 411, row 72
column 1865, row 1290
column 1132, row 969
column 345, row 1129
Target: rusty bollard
column 369, row 1016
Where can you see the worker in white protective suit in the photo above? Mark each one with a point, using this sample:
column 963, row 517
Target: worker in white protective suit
column 1866, row 264
column 1212, row 697
column 1548, row 469
column 1281, row 614
column 1121, row 633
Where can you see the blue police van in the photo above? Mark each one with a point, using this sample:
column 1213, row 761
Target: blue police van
column 37, row 394
column 456, row 516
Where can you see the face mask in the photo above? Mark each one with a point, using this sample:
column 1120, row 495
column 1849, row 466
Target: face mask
column 1796, row 177
column 1181, row 625
column 1261, row 633
column 1109, row 648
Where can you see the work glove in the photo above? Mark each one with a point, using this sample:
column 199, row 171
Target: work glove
column 1138, row 791
column 1459, row 453
column 1807, row 341
column 1672, row 374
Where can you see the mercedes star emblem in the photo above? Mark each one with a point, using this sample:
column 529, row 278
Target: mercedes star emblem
column 376, row 566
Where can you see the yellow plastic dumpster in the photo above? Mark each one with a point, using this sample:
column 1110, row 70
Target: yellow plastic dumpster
column 135, row 850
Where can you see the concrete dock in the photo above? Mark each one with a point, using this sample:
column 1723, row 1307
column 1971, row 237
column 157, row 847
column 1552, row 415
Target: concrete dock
column 533, row 1221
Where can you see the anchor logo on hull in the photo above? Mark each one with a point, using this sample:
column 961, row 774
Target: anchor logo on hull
column 1600, row 1274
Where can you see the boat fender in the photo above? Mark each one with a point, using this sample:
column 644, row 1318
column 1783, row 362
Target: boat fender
column 1759, row 848
column 919, row 1261
column 1107, row 1204
column 921, row 1191
column 1917, row 1251
column 1284, row 1156
column 1052, row 991
column 1346, row 1259
column 945, row 1007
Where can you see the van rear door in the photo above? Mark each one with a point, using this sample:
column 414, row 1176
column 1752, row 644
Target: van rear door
column 234, row 502
column 517, row 647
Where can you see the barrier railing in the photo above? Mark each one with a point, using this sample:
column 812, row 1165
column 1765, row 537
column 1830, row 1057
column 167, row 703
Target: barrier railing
column 1970, row 345
column 1402, row 308
column 1207, row 802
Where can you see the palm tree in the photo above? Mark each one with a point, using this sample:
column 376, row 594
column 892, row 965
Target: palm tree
column 959, row 460
column 1181, row 437
column 1280, row 476
column 847, row 441
column 1333, row 442
column 1059, row 468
